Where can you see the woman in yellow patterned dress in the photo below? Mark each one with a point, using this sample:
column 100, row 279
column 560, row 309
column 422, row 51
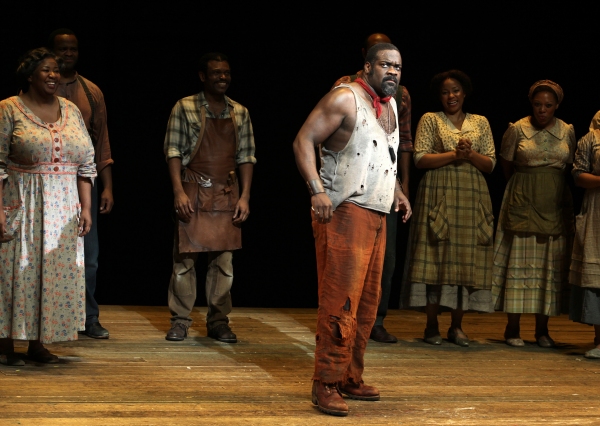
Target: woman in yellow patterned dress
column 533, row 238
column 450, row 239
column 46, row 171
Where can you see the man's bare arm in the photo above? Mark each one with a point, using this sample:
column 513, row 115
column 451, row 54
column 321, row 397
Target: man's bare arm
column 332, row 121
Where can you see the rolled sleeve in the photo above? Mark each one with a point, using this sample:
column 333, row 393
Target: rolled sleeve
column 246, row 149
column 88, row 168
column 582, row 163
column 6, row 128
column 103, row 152
column 487, row 141
column 404, row 119
column 424, row 139
column 175, row 137
column 509, row 142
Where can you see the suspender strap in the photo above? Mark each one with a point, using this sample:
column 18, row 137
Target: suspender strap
column 88, row 94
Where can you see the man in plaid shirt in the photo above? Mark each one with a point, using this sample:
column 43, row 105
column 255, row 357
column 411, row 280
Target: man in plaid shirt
column 209, row 142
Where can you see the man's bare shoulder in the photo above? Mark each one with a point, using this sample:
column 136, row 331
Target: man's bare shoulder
column 341, row 99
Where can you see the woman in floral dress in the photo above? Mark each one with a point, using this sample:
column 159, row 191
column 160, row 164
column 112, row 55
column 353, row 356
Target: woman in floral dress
column 46, row 169
column 533, row 238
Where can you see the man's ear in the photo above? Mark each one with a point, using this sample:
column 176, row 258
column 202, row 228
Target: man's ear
column 367, row 68
column 202, row 76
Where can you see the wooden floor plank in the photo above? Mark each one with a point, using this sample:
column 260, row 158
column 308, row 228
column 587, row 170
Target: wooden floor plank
column 138, row 378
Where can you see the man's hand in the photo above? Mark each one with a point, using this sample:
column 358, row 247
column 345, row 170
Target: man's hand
column 106, row 201
column 241, row 212
column 183, row 207
column 402, row 203
column 85, row 222
column 322, row 206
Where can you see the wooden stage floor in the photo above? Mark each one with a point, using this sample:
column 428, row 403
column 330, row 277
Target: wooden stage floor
column 139, row 378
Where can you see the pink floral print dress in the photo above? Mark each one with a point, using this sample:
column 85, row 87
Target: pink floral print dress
column 42, row 274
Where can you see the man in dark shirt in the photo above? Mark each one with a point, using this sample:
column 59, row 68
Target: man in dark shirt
column 90, row 101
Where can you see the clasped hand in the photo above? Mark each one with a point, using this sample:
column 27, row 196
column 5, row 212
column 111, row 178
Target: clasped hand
column 463, row 149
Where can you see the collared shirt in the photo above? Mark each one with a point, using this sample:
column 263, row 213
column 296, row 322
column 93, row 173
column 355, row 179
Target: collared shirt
column 74, row 92
column 404, row 114
column 436, row 134
column 184, row 125
column 527, row 146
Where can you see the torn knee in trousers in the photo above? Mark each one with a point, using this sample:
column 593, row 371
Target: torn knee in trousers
column 344, row 326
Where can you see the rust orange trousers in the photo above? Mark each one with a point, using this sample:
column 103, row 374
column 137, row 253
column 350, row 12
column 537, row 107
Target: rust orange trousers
column 350, row 251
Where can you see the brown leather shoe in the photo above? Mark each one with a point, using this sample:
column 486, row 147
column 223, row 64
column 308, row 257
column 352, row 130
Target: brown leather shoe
column 177, row 332
column 222, row 333
column 380, row 334
column 328, row 399
column 360, row 391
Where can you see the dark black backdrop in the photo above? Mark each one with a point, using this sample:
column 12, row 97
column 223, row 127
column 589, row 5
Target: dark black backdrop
column 283, row 61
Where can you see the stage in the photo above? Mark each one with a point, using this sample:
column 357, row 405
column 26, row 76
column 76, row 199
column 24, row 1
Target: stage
column 139, row 378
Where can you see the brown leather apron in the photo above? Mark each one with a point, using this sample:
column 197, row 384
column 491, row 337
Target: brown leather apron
column 210, row 183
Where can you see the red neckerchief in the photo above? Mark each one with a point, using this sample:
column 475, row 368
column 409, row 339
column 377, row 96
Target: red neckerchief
column 376, row 99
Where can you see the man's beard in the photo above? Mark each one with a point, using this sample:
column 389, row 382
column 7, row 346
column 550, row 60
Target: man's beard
column 387, row 89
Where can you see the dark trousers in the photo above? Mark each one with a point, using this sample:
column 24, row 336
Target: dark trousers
column 389, row 265
column 91, row 248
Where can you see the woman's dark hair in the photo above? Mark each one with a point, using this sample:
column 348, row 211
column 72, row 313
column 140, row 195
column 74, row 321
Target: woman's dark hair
column 438, row 80
column 29, row 62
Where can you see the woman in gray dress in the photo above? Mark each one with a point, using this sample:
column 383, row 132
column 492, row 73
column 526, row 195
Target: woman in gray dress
column 533, row 238
column 585, row 260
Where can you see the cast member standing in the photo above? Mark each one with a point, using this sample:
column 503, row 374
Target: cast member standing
column 533, row 237
column 46, row 171
column 450, row 240
column 585, row 261
column 208, row 137
column 90, row 101
column 356, row 124
column 405, row 148
column 595, row 124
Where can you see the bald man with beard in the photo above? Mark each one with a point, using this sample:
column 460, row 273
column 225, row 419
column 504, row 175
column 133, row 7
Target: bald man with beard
column 405, row 148
column 357, row 129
